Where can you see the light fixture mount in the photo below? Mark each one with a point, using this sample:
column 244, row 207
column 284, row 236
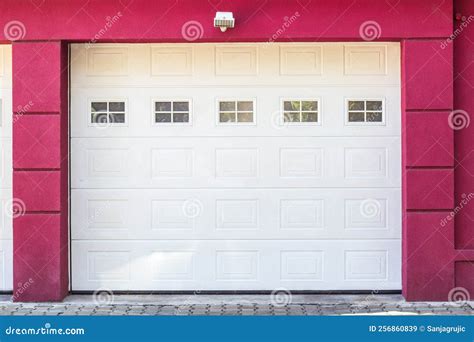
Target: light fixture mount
column 224, row 20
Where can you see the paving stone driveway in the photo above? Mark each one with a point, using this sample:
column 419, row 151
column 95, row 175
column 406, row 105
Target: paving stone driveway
column 233, row 305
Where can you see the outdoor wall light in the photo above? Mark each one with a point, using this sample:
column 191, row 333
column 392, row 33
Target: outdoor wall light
column 224, row 20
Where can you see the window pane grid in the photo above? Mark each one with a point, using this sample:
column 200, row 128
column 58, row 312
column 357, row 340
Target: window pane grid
column 236, row 111
column 171, row 111
column 107, row 112
column 372, row 111
column 300, row 111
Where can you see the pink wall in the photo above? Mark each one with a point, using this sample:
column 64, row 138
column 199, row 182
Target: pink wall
column 429, row 253
column 464, row 142
column 428, row 183
column 257, row 20
column 40, row 169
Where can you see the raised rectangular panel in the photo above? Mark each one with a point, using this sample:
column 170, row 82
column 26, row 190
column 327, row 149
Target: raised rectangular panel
column 365, row 265
column 106, row 214
column 3, row 217
column 301, row 214
column 369, row 213
column 236, row 60
column 365, row 60
column 108, row 265
column 365, row 162
column 172, row 163
column 110, row 61
column 302, row 265
column 236, row 162
column 107, row 162
column 3, row 276
column 237, row 265
column 166, row 61
column 172, row 265
column 171, row 214
column 301, row 60
column 8, row 204
column 2, row 63
column 6, row 220
column 2, row 156
column 6, row 170
column 301, row 162
column 237, row 214
column 6, row 265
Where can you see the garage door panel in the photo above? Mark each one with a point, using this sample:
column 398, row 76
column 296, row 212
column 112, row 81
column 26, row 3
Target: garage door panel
column 6, row 238
column 6, row 221
column 332, row 102
column 240, row 162
column 234, row 214
column 264, row 64
column 5, row 111
column 6, row 264
column 248, row 265
column 6, row 163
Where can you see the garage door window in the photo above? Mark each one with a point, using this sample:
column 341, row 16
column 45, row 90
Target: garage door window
column 300, row 111
column 108, row 112
column 170, row 111
column 236, row 112
column 365, row 111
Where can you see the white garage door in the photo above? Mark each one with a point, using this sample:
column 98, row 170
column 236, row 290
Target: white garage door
column 6, row 242
column 236, row 167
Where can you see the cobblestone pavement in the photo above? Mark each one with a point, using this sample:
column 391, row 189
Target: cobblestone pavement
column 235, row 305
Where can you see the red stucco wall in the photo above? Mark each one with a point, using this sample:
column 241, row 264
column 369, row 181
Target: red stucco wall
column 40, row 169
column 464, row 142
column 257, row 20
column 428, row 186
column 422, row 27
